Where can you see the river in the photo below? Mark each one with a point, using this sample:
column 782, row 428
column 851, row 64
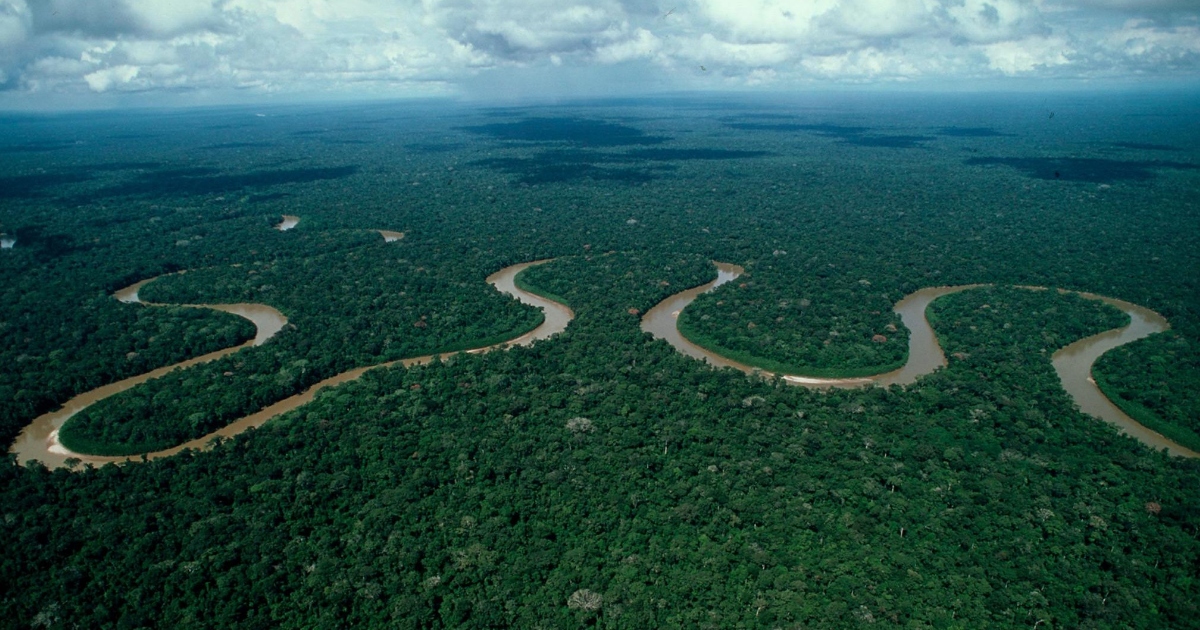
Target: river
column 39, row 440
column 289, row 222
column 1074, row 366
column 389, row 236
column 1073, row 362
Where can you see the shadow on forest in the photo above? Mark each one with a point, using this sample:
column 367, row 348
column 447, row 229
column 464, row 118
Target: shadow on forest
column 566, row 165
column 33, row 238
column 971, row 132
column 33, row 186
column 891, row 142
column 268, row 197
column 236, row 145
column 542, row 170
column 1143, row 146
column 857, row 136
column 756, row 116
column 207, row 180
column 38, row 147
column 693, row 154
column 1095, row 170
column 579, row 131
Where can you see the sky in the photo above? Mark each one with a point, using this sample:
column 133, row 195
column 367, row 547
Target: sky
column 105, row 53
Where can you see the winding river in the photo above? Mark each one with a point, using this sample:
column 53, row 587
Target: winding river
column 39, row 440
column 1073, row 362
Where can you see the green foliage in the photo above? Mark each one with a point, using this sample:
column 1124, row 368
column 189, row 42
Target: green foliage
column 1155, row 380
column 775, row 320
column 472, row 493
column 394, row 309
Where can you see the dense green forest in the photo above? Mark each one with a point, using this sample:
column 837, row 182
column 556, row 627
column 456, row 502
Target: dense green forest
column 600, row 478
column 371, row 305
column 755, row 322
column 1157, row 382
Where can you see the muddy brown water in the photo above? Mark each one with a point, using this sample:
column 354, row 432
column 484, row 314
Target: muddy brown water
column 924, row 353
column 1073, row 362
column 289, row 222
column 1074, row 366
column 39, row 440
column 389, row 236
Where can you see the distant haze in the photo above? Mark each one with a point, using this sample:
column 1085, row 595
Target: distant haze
column 78, row 53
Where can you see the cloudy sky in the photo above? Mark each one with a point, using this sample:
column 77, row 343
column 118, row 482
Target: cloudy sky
column 85, row 53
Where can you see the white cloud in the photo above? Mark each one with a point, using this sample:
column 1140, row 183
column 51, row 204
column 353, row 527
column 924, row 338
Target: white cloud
column 102, row 80
column 1027, row 55
column 642, row 45
column 882, row 19
column 763, row 20
column 1150, row 46
column 862, row 65
column 416, row 46
column 990, row 21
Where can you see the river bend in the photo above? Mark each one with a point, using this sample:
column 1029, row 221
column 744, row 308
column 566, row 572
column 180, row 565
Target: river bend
column 39, row 440
column 1073, row 363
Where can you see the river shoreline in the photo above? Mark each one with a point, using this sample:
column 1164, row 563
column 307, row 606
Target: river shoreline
column 1073, row 363
column 39, row 440
column 289, row 221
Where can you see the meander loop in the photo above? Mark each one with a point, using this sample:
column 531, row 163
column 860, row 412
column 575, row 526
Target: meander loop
column 1073, row 363
column 39, row 440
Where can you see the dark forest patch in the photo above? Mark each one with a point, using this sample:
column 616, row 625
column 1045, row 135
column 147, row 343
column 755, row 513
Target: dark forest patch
column 758, row 116
column 693, row 154
column 119, row 166
column 971, row 132
column 204, row 180
column 1096, row 170
column 857, row 136
column 891, row 142
column 1143, row 146
column 34, row 238
column 578, row 131
column 268, row 197
column 36, row 185
column 38, row 147
column 545, row 169
column 237, row 145
column 824, row 129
